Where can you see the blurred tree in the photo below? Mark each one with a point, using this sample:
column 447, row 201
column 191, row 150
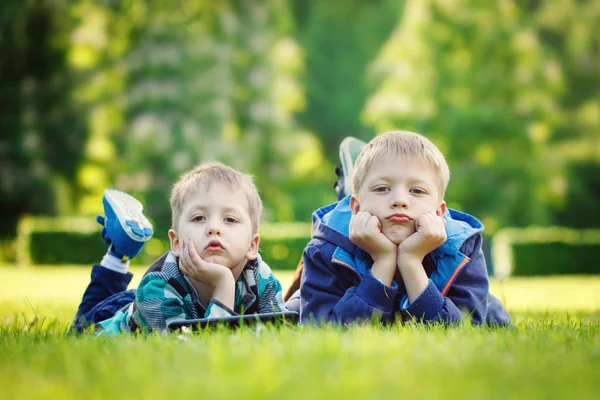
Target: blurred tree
column 42, row 132
column 476, row 78
column 103, row 35
column 340, row 39
column 210, row 81
column 568, row 29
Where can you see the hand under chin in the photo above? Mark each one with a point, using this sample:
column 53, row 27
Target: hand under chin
column 214, row 258
column 398, row 233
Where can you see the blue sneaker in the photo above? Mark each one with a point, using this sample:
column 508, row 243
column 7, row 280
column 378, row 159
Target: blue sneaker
column 350, row 148
column 125, row 228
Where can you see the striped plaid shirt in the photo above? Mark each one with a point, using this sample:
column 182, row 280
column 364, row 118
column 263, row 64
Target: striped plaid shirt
column 165, row 295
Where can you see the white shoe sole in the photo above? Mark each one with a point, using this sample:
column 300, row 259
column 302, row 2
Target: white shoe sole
column 346, row 159
column 129, row 209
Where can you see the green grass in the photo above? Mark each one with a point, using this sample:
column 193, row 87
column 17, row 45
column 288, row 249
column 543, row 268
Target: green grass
column 553, row 352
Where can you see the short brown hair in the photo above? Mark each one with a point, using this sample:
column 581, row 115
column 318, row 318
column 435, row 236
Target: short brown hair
column 215, row 172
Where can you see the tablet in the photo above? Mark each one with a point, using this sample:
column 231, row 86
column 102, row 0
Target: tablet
column 234, row 321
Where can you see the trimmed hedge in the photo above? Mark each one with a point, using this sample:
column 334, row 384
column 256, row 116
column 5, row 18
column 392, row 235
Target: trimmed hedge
column 283, row 253
column 544, row 251
column 555, row 258
column 45, row 241
column 524, row 252
column 65, row 248
column 53, row 248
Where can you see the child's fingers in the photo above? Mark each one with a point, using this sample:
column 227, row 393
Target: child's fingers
column 363, row 220
column 432, row 227
column 195, row 256
column 373, row 224
column 359, row 224
column 184, row 258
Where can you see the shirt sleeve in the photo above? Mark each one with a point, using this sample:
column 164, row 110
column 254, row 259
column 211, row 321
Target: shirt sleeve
column 467, row 297
column 331, row 294
column 270, row 293
column 157, row 303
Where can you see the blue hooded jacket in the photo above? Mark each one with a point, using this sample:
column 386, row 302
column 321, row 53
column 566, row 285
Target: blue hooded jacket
column 337, row 284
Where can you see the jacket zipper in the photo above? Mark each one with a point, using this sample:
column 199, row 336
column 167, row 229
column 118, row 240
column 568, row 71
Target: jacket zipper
column 343, row 264
column 457, row 272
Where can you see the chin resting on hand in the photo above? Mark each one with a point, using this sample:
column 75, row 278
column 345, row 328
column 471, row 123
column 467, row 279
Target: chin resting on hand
column 365, row 232
column 430, row 233
column 195, row 267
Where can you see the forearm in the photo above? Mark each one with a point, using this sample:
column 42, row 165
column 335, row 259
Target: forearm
column 414, row 276
column 383, row 269
column 333, row 302
column 158, row 303
column 330, row 293
column 225, row 291
column 431, row 306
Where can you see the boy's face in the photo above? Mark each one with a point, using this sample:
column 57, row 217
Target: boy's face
column 397, row 191
column 217, row 221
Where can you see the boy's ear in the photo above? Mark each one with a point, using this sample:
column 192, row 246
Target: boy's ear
column 253, row 249
column 441, row 210
column 354, row 205
column 175, row 242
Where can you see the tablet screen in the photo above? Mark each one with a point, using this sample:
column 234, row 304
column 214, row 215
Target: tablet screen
column 287, row 317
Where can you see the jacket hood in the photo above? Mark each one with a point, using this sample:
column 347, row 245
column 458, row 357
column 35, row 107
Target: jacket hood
column 331, row 224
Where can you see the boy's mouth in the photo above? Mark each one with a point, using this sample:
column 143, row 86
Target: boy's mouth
column 399, row 218
column 214, row 245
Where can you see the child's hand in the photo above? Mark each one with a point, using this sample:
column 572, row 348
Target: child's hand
column 430, row 233
column 191, row 264
column 365, row 232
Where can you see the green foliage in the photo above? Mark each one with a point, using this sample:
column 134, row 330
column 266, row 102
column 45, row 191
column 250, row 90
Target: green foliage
column 217, row 81
column 490, row 84
column 282, row 244
column 544, row 250
column 56, row 241
column 65, row 248
column 131, row 94
column 555, row 258
column 55, row 248
column 340, row 40
column 42, row 133
column 283, row 253
column 580, row 208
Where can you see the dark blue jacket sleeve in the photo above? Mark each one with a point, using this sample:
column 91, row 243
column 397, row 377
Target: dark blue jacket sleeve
column 329, row 292
column 468, row 296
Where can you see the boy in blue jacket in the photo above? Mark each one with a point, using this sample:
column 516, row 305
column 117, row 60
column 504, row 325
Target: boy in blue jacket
column 393, row 249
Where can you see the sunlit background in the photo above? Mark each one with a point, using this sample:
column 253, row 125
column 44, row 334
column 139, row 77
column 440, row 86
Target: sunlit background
column 130, row 94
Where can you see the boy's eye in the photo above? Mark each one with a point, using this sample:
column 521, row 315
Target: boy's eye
column 381, row 189
column 198, row 218
column 230, row 220
column 418, row 191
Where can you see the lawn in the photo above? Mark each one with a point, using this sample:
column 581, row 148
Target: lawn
column 553, row 352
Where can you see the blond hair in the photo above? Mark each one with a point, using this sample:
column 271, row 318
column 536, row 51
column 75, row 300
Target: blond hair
column 408, row 145
column 208, row 174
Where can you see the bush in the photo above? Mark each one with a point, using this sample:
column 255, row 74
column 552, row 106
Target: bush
column 66, row 248
column 282, row 253
column 555, row 258
column 52, row 241
column 545, row 251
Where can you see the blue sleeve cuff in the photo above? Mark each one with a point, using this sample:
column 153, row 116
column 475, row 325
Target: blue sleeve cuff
column 376, row 294
column 427, row 306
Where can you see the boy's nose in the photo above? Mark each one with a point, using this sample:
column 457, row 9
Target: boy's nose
column 399, row 200
column 213, row 229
